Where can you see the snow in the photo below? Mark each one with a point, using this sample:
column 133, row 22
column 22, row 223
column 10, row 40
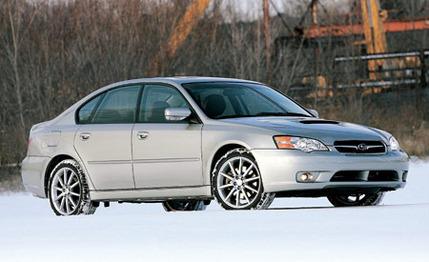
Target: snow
column 293, row 230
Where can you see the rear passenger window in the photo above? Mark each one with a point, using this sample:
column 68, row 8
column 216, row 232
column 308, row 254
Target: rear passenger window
column 118, row 106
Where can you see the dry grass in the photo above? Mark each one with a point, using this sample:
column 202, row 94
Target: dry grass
column 10, row 180
column 418, row 143
column 397, row 113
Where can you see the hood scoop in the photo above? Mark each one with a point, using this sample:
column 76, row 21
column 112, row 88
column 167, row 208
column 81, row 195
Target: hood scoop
column 319, row 121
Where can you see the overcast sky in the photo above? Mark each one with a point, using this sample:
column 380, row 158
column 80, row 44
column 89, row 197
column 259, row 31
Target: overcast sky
column 251, row 9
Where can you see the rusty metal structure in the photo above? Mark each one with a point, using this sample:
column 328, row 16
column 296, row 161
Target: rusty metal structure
column 189, row 20
column 373, row 28
column 180, row 33
column 318, row 31
column 383, row 69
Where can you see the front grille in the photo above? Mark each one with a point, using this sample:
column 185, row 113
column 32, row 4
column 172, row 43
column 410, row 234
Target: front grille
column 360, row 147
column 364, row 176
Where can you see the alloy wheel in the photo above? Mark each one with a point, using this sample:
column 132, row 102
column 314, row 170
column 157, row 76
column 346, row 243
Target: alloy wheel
column 239, row 182
column 66, row 191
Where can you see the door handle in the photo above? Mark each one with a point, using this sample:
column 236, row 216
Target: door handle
column 84, row 136
column 142, row 135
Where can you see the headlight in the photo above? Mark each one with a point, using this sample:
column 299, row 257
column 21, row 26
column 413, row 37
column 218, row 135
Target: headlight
column 300, row 143
column 394, row 144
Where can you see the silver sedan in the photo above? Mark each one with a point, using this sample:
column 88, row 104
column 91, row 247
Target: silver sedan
column 184, row 141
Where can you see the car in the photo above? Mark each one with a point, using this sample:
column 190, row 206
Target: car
column 184, row 141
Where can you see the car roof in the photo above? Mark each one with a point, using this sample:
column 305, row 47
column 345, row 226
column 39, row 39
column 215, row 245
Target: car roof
column 186, row 80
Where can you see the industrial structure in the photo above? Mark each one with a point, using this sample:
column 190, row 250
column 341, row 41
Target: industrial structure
column 382, row 69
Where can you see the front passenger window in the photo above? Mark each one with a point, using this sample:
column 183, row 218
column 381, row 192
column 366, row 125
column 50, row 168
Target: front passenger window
column 157, row 98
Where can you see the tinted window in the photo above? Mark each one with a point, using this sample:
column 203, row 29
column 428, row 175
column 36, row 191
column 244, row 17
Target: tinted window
column 87, row 111
column 118, row 106
column 157, row 98
column 227, row 100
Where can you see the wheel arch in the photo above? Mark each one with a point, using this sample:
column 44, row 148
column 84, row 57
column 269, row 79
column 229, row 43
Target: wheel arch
column 50, row 167
column 265, row 198
column 219, row 152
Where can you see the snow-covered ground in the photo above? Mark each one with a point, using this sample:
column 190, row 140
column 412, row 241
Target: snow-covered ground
column 292, row 230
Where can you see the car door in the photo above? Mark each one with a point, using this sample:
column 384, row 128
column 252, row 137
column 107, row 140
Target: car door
column 165, row 153
column 103, row 140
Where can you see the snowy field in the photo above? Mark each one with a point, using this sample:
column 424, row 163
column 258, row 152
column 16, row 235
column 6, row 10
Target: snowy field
column 292, row 230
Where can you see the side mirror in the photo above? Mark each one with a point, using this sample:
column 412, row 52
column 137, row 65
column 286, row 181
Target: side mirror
column 314, row 112
column 177, row 113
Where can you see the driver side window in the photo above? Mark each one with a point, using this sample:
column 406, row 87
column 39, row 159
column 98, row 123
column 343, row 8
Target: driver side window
column 157, row 98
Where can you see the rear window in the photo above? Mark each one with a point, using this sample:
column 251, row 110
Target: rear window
column 87, row 111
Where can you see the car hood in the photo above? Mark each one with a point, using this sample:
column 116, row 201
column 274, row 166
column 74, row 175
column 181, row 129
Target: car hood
column 326, row 131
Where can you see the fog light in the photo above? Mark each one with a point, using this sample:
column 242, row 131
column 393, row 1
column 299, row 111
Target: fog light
column 307, row 177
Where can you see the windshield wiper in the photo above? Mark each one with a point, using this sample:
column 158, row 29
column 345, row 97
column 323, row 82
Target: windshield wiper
column 232, row 116
column 281, row 114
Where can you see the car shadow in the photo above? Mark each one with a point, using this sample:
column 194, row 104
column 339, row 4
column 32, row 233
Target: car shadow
column 299, row 208
column 329, row 207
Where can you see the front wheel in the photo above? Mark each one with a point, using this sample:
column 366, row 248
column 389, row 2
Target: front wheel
column 68, row 191
column 356, row 199
column 237, row 183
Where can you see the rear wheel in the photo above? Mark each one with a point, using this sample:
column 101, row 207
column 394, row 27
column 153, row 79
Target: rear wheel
column 356, row 199
column 237, row 183
column 68, row 190
column 184, row 205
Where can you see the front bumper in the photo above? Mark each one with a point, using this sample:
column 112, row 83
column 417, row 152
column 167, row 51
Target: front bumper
column 279, row 169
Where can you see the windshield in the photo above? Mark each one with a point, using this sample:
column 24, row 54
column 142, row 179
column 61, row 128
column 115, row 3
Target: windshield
column 220, row 100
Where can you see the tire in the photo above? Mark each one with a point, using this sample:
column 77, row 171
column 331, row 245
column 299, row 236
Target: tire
column 344, row 200
column 184, row 205
column 68, row 190
column 237, row 183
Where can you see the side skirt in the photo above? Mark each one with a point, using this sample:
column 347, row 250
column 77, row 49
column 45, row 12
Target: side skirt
column 151, row 194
